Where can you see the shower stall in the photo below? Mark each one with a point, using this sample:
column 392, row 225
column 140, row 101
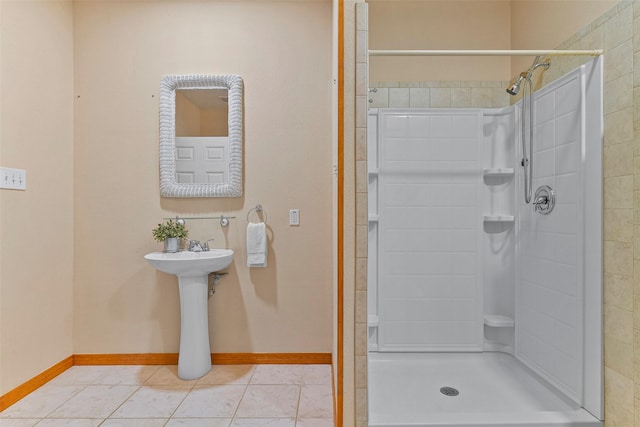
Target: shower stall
column 485, row 308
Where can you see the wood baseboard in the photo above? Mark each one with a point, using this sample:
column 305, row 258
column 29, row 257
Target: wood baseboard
column 34, row 383
column 216, row 358
column 126, row 359
column 39, row 380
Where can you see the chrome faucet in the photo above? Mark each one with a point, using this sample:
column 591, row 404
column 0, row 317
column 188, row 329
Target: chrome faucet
column 196, row 246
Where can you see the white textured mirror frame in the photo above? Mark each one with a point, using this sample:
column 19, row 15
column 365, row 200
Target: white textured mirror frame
column 169, row 187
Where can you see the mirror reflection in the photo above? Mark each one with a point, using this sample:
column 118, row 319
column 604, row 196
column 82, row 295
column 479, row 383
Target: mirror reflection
column 201, row 136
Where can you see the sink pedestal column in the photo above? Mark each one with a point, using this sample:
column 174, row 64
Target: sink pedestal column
column 195, row 353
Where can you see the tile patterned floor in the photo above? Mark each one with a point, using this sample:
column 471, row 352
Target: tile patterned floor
column 150, row 396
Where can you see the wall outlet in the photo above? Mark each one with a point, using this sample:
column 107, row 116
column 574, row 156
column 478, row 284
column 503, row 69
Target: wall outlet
column 294, row 217
column 13, row 179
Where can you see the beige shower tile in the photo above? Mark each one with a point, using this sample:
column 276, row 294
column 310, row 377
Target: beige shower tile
column 618, row 94
column 481, row 97
column 362, row 177
column 380, row 98
column 618, row 291
column 362, row 21
column 362, row 46
column 361, row 307
column 361, row 274
column 618, row 127
column 618, row 225
column 619, row 61
column 636, row 316
column 419, row 97
column 618, row 29
column 618, row 192
column 20, row 422
column 440, row 98
column 361, row 143
column 399, row 97
column 618, row 258
column 361, row 79
column 636, row 207
column 618, row 389
column 362, row 232
column 461, row 97
column 362, row 107
column 618, row 356
column 362, row 214
column 636, row 277
column 360, row 343
column 618, row 323
column 361, row 404
column 636, row 30
column 636, row 69
column 361, row 371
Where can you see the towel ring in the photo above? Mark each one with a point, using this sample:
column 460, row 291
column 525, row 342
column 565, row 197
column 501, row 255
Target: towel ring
column 258, row 209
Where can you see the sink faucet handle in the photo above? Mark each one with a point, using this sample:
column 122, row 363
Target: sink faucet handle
column 205, row 245
column 194, row 246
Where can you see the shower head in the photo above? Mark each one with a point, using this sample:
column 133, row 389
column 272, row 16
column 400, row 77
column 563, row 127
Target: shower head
column 514, row 87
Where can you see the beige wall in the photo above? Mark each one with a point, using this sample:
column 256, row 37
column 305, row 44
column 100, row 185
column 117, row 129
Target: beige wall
column 464, row 24
column 544, row 24
column 36, row 225
column 448, row 24
column 283, row 52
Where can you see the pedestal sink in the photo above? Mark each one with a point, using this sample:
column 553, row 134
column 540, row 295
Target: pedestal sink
column 192, row 269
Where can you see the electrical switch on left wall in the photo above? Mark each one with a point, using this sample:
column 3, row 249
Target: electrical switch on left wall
column 13, row 179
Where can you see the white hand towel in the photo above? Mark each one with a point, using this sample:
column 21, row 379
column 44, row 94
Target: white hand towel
column 256, row 245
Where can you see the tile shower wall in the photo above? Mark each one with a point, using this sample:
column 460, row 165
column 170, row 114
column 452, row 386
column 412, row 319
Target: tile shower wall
column 618, row 33
column 438, row 94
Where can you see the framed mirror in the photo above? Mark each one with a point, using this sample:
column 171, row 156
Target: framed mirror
column 201, row 136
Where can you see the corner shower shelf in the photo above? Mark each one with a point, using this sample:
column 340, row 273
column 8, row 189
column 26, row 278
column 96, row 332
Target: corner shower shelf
column 373, row 172
column 499, row 172
column 498, row 321
column 373, row 218
column 499, row 218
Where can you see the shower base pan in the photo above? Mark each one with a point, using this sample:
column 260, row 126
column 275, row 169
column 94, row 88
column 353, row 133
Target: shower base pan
column 493, row 389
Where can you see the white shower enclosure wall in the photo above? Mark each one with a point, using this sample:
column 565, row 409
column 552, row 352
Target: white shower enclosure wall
column 459, row 264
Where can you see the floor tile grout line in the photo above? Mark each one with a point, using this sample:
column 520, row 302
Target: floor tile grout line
column 235, row 413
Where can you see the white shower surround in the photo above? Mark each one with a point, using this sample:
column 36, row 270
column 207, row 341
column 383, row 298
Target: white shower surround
column 559, row 313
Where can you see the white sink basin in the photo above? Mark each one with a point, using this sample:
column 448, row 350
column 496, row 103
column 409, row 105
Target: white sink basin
column 187, row 263
column 192, row 269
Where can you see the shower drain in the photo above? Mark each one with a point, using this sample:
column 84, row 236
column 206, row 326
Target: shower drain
column 449, row 391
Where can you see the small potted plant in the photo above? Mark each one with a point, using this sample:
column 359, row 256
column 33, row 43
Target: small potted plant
column 170, row 233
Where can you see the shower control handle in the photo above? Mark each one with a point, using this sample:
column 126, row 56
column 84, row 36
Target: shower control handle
column 544, row 200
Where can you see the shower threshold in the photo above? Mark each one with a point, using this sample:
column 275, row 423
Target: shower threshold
column 494, row 389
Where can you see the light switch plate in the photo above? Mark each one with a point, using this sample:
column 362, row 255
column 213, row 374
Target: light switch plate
column 13, row 179
column 294, row 217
